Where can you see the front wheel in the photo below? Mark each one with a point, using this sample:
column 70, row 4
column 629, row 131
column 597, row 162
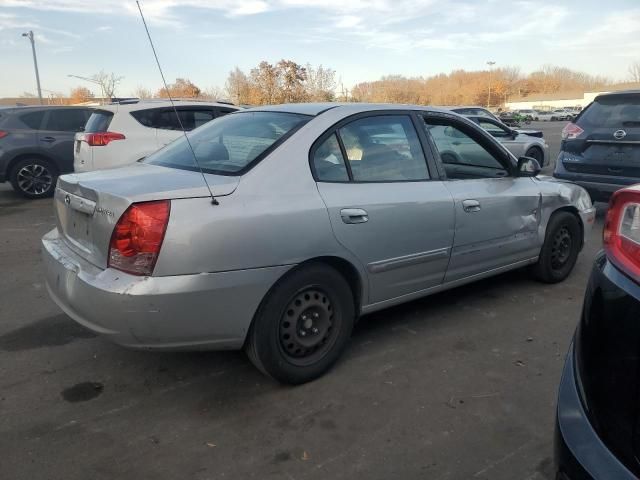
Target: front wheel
column 303, row 325
column 34, row 177
column 560, row 249
column 537, row 154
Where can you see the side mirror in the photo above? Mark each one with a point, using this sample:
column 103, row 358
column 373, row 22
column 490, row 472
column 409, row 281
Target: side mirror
column 528, row 167
column 514, row 134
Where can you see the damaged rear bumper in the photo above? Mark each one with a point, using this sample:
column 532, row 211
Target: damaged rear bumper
column 184, row 312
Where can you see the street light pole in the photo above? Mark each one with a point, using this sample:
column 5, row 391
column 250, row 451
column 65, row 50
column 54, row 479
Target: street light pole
column 29, row 35
column 491, row 64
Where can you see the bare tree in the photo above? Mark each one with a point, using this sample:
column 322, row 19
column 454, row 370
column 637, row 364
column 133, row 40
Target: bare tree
column 634, row 71
column 182, row 88
column 142, row 93
column 108, row 83
column 213, row 93
column 320, row 83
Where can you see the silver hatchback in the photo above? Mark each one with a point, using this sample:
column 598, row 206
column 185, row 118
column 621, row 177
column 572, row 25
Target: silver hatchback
column 319, row 214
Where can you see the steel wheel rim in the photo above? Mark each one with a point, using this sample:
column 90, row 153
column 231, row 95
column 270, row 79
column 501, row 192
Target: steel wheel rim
column 34, row 179
column 308, row 326
column 561, row 248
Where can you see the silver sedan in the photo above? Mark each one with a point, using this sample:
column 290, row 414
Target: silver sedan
column 273, row 229
column 519, row 142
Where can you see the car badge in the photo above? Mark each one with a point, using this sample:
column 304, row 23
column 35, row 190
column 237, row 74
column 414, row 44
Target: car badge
column 67, row 199
column 619, row 134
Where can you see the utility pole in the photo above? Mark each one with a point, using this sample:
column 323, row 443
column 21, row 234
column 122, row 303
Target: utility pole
column 29, row 35
column 491, row 64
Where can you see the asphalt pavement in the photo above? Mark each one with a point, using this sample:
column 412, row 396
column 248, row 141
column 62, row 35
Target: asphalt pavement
column 459, row 385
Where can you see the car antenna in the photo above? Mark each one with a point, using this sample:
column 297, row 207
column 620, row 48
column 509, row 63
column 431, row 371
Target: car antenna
column 195, row 158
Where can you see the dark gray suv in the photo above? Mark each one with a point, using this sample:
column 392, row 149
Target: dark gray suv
column 36, row 145
column 600, row 149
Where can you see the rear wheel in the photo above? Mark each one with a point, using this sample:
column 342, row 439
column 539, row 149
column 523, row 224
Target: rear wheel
column 34, row 177
column 560, row 249
column 303, row 325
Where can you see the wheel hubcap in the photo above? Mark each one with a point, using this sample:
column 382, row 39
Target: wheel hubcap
column 34, row 179
column 561, row 248
column 306, row 327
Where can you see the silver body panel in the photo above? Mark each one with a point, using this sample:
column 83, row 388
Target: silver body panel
column 217, row 263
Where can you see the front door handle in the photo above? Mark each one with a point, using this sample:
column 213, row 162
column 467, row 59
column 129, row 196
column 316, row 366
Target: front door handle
column 471, row 206
column 354, row 215
column 48, row 139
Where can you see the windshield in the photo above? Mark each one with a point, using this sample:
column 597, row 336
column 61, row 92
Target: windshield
column 229, row 145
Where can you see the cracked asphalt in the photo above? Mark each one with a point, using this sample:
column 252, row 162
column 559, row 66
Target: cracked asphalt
column 460, row 385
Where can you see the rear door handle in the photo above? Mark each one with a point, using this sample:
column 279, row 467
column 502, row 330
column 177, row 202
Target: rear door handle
column 471, row 206
column 354, row 215
column 48, row 139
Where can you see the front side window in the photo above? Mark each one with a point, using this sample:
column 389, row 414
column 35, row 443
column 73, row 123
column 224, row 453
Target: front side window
column 229, row 144
column 462, row 156
column 383, row 148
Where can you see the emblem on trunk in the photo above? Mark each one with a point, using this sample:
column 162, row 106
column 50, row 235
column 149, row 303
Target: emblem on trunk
column 67, row 199
column 619, row 134
column 104, row 211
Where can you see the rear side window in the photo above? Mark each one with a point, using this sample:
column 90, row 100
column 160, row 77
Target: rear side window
column 166, row 119
column 231, row 144
column 328, row 162
column 33, row 120
column 384, row 149
column 98, row 121
column 615, row 111
column 66, row 120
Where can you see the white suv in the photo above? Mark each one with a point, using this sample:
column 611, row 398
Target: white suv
column 121, row 134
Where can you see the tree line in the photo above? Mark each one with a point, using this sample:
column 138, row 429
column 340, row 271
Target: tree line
column 287, row 81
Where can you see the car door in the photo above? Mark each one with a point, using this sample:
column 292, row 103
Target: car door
column 56, row 138
column 385, row 205
column 497, row 213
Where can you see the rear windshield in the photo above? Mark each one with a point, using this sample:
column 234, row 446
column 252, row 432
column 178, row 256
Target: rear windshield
column 616, row 111
column 98, row 121
column 229, row 145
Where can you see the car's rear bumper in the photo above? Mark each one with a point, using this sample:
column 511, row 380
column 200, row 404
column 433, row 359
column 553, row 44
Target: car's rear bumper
column 599, row 186
column 201, row 311
column 579, row 453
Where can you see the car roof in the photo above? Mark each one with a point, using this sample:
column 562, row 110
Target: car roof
column 147, row 104
column 314, row 109
column 621, row 92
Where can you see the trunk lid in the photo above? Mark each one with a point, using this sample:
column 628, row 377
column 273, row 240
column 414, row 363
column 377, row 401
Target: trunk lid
column 88, row 205
column 610, row 143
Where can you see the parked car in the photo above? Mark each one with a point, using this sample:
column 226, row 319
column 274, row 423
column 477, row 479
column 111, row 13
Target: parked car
column 547, row 116
column 519, row 144
column 597, row 429
column 36, row 145
column 473, row 111
column 528, row 113
column 600, row 150
column 318, row 214
column 123, row 133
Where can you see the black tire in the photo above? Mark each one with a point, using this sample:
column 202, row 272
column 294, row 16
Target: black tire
column 34, row 177
column 303, row 325
column 560, row 250
column 535, row 152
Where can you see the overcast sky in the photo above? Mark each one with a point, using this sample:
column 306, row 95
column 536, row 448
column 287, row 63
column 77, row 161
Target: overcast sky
column 362, row 40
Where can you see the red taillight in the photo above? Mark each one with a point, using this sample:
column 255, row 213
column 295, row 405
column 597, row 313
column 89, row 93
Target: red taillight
column 570, row 131
column 3, row 133
column 137, row 237
column 103, row 138
column 621, row 234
